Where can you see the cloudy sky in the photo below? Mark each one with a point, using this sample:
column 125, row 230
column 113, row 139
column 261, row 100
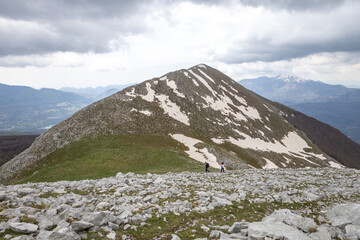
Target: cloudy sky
column 57, row 43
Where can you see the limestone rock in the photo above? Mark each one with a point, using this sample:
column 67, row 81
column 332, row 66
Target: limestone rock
column 345, row 214
column 352, row 232
column 174, row 237
column 275, row 230
column 64, row 234
column 80, row 226
column 25, row 237
column 321, row 234
column 289, row 218
column 2, row 196
column 23, row 227
column 238, row 226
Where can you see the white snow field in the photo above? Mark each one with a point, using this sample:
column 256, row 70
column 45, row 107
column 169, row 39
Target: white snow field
column 292, row 144
column 269, row 164
column 201, row 155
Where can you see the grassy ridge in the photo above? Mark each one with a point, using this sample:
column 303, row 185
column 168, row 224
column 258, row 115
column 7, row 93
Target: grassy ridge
column 108, row 155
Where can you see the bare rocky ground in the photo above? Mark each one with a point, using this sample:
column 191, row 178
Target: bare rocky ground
column 322, row 203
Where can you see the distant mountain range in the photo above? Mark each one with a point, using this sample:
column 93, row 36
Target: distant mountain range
column 96, row 93
column 336, row 105
column 176, row 122
column 30, row 111
column 24, row 109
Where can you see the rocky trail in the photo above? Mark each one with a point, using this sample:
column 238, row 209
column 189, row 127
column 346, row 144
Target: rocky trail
column 320, row 203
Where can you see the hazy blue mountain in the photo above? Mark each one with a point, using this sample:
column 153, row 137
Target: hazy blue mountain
column 336, row 105
column 96, row 93
column 29, row 110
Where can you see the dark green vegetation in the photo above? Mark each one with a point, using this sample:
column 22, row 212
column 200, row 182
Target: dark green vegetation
column 10, row 146
column 108, row 155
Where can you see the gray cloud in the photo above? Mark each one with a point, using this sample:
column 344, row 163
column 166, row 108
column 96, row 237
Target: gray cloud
column 295, row 5
column 264, row 50
column 290, row 5
column 38, row 27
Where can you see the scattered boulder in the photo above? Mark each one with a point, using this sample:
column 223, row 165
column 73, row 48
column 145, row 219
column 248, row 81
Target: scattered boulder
column 352, row 232
column 80, row 226
column 238, row 226
column 2, row 196
column 174, row 237
column 275, row 230
column 64, row 234
column 23, row 227
column 344, row 214
column 321, row 234
column 25, row 237
column 294, row 220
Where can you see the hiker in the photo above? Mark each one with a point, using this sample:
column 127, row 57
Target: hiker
column 206, row 167
column 222, row 167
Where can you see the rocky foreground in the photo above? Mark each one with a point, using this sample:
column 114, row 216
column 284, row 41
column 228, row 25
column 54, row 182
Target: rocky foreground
column 321, row 203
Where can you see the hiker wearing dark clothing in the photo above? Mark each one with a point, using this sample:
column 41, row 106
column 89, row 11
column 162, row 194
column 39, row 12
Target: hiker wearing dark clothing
column 222, row 167
column 206, row 167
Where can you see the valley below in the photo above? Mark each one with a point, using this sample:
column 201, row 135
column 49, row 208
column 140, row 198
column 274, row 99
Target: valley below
column 321, row 203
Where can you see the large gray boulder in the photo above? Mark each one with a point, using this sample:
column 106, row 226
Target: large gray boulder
column 99, row 218
column 24, row 237
column 292, row 219
column 4, row 226
column 321, row 234
column 2, row 196
column 344, row 214
column 238, row 226
column 274, row 230
column 64, row 234
column 352, row 232
column 43, row 235
column 23, row 227
column 80, row 226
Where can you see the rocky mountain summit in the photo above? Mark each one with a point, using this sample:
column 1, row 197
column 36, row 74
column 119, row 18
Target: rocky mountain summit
column 201, row 109
column 294, row 204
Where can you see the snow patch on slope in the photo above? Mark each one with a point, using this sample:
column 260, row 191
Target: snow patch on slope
column 291, row 78
column 150, row 93
column 203, row 81
column 173, row 110
column 145, row 112
column 131, row 93
column 240, row 100
column 250, row 112
column 291, row 144
column 170, row 108
column 335, row 165
column 207, row 76
column 201, row 155
column 269, row 164
column 173, row 86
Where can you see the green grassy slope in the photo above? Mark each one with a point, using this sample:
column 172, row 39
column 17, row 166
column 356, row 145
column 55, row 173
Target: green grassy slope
column 108, row 155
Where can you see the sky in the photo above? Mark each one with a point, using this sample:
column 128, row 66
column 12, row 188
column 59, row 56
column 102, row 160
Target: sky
column 89, row 43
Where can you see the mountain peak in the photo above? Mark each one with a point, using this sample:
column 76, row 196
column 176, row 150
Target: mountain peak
column 291, row 78
column 202, row 109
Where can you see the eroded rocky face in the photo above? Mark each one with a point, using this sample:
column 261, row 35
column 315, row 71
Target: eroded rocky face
column 249, row 204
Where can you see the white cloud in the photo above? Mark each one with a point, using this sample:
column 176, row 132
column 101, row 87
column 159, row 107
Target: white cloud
column 243, row 40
